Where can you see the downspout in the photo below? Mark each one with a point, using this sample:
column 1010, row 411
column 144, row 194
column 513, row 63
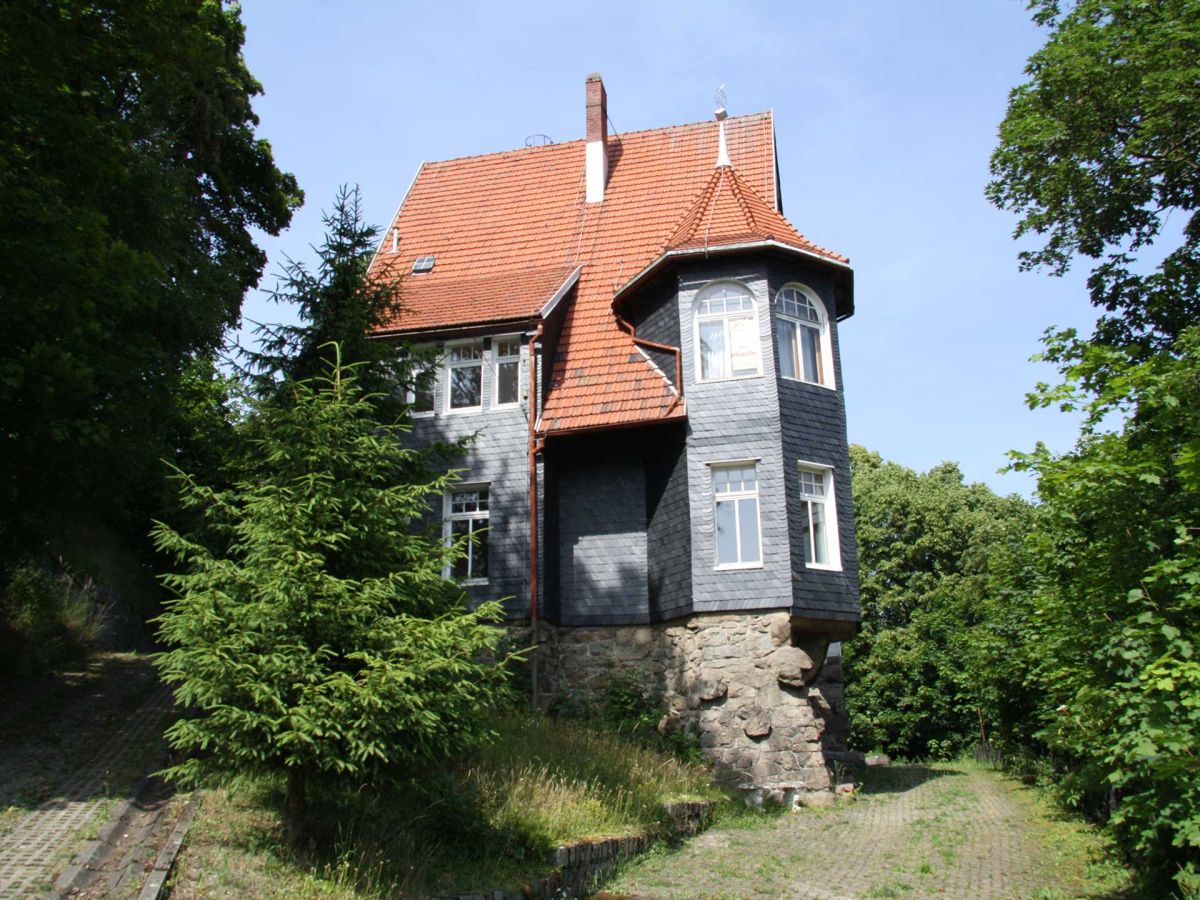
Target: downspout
column 535, row 447
column 629, row 329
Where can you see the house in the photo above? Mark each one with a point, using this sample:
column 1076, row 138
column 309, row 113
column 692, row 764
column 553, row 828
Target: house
column 647, row 353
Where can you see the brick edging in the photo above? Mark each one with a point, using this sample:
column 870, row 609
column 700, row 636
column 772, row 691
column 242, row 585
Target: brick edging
column 78, row 873
column 155, row 885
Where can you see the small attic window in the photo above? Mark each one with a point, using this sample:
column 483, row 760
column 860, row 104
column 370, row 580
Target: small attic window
column 423, row 264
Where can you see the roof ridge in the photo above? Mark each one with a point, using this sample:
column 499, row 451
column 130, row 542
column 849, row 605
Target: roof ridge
column 687, row 223
column 736, row 188
column 617, row 135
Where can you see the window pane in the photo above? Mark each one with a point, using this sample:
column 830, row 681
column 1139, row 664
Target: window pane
column 506, row 382
column 787, row 349
column 748, row 526
column 508, row 347
column 423, row 398
column 743, row 346
column 720, row 480
column 812, row 484
column 466, row 385
column 819, row 536
column 806, row 518
column 459, row 529
column 465, row 352
column 810, row 338
column 479, row 553
column 712, row 350
column 727, row 551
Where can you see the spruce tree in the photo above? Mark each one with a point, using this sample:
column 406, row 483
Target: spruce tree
column 322, row 642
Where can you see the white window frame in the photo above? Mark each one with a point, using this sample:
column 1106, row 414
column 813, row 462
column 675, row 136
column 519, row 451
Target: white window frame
column 734, row 497
column 725, row 318
column 825, row 358
column 449, row 364
column 449, row 516
column 833, row 537
column 498, row 361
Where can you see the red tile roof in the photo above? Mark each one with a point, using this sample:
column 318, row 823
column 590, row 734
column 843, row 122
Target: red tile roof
column 508, row 228
column 728, row 211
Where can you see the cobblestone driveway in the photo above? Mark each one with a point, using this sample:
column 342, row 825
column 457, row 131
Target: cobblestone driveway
column 943, row 831
column 69, row 745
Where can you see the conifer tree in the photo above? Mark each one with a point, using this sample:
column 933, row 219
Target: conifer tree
column 322, row 642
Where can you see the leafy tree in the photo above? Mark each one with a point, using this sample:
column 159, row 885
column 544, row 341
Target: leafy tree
column 1120, row 607
column 937, row 558
column 324, row 642
column 130, row 179
column 1098, row 151
column 1101, row 148
column 338, row 306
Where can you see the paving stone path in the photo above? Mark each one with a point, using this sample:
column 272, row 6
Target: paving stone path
column 65, row 759
column 918, row 832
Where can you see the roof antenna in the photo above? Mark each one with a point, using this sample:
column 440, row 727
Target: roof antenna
column 721, row 115
column 538, row 140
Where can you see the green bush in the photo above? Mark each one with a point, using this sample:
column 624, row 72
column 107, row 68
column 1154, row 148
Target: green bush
column 632, row 706
column 46, row 621
column 320, row 641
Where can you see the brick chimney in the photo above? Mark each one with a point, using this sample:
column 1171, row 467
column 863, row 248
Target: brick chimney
column 596, row 158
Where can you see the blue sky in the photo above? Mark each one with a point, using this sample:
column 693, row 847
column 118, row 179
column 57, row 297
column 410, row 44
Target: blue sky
column 886, row 114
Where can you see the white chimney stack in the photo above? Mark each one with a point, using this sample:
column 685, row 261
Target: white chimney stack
column 596, row 151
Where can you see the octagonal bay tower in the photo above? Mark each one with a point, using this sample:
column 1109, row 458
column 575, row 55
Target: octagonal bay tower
column 646, row 352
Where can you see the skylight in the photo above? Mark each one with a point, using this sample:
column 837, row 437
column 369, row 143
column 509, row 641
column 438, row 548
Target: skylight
column 423, row 264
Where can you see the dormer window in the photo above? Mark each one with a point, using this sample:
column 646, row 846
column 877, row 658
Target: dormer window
column 423, row 264
column 726, row 332
column 803, row 331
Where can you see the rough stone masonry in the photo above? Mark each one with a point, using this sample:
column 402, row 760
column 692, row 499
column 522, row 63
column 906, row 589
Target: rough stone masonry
column 767, row 706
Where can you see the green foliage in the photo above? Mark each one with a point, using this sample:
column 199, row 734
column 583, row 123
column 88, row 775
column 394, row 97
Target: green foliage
column 1120, row 607
column 937, row 562
column 131, row 180
column 320, row 638
column 339, row 306
column 1098, row 150
column 46, row 621
column 632, row 706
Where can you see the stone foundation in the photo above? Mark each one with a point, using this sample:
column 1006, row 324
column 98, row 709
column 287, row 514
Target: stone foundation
column 766, row 705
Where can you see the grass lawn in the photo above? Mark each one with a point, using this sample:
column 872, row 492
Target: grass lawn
column 487, row 824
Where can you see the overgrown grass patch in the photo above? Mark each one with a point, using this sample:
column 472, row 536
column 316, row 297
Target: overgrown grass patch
column 487, row 823
column 47, row 620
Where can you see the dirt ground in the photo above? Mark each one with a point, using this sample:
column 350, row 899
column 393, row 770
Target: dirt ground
column 958, row 831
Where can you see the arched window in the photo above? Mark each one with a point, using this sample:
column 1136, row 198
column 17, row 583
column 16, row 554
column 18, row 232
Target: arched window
column 803, row 330
column 726, row 332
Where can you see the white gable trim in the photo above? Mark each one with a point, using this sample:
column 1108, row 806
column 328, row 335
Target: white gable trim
column 561, row 292
column 396, row 216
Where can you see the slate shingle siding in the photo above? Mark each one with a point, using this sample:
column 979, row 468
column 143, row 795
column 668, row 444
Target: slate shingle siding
column 627, row 515
column 656, row 318
column 729, row 420
column 779, row 422
column 601, row 534
column 495, row 457
column 669, row 529
column 813, row 421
